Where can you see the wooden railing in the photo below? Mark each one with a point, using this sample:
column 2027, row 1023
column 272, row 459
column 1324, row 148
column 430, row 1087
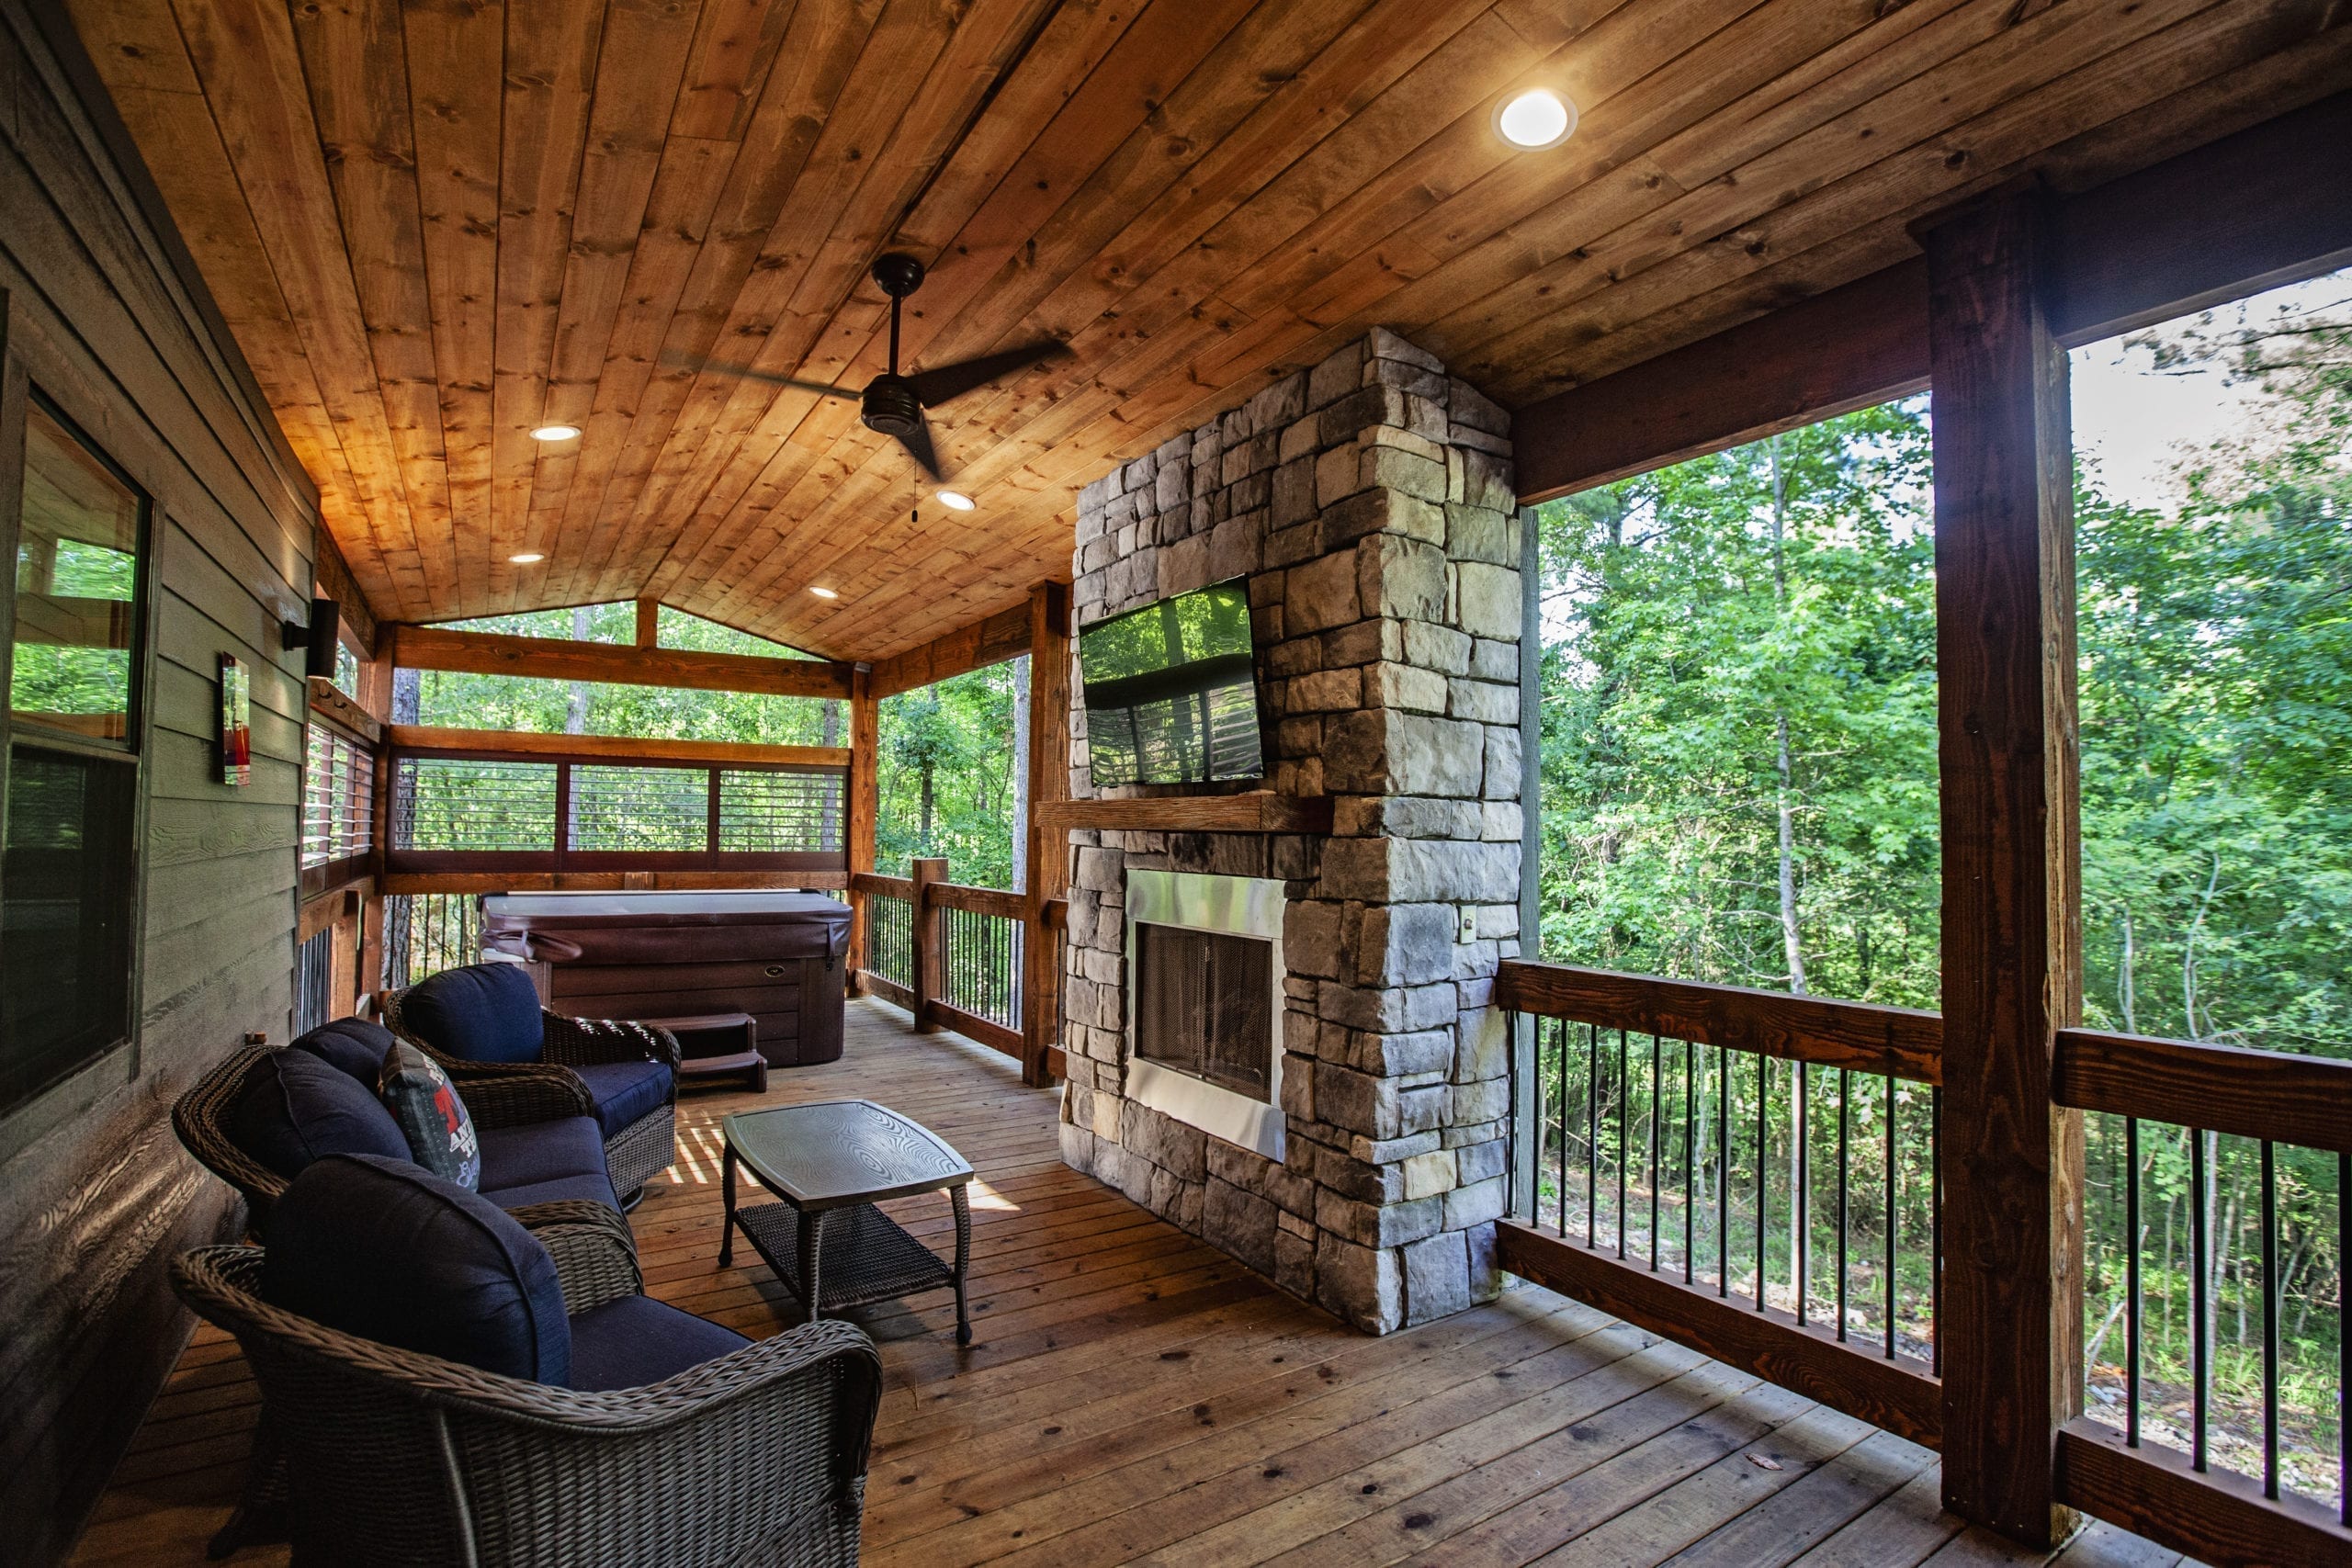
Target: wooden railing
column 1646, row 1165
column 959, row 957
column 2188, row 1498
column 1643, row 1133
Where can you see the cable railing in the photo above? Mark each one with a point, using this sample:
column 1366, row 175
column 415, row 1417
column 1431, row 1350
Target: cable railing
column 1752, row 1174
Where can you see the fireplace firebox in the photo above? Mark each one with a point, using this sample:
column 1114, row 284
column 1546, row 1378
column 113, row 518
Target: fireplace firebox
column 1205, row 963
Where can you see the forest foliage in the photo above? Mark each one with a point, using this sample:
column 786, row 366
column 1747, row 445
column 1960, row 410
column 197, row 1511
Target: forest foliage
column 1740, row 764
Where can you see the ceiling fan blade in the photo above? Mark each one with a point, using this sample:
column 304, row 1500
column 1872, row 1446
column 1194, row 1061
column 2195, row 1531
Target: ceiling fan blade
column 919, row 447
column 936, row 386
column 748, row 373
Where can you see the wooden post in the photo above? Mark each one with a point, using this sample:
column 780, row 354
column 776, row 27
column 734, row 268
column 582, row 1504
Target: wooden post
column 864, row 807
column 2010, row 1326
column 1049, row 850
column 648, row 623
column 929, row 968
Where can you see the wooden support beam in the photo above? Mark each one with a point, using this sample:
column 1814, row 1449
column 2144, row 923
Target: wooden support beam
column 2011, row 1325
column 865, row 808
column 1049, row 848
column 989, row 640
column 623, row 748
column 929, row 968
column 2264, row 206
column 555, row 658
column 648, row 623
column 332, row 578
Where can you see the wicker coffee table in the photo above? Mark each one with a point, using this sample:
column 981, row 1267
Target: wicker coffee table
column 831, row 1164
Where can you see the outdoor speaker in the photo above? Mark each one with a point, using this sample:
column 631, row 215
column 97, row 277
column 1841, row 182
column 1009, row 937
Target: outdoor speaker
column 326, row 629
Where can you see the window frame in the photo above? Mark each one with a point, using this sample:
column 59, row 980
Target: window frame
column 20, row 394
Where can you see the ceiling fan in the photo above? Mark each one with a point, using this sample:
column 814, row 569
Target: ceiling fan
column 893, row 404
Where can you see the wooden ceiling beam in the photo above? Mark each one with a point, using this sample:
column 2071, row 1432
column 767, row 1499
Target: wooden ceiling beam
column 990, row 640
column 553, row 659
column 619, row 748
column 2267, row 205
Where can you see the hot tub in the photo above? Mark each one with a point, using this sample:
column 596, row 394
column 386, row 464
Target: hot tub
column 777, row 957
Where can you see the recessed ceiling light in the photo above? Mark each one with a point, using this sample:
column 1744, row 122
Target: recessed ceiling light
column 1536, row 119
column 957, row 500
column 825, row 592
column 555, row 432
column 528, row 557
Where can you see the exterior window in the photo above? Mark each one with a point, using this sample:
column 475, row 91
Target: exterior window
column 338, row 798
column 69, row 869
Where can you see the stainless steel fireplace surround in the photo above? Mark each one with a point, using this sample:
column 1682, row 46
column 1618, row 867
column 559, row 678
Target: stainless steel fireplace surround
column 1246, row 907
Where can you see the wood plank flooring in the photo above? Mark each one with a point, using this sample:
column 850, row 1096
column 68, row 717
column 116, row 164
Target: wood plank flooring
column 1136, row 1396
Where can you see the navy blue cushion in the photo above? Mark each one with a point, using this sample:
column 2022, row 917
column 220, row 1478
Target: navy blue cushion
column 634, row 1340
column 386, row 1250
column 439, row 1131
column 626, row 1092
column 296, row 1108
column 483, row 1012
column 537, row 1162
column 354, row 1044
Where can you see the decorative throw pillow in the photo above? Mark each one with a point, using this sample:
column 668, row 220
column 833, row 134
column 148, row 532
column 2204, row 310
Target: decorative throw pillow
column 422, row 1099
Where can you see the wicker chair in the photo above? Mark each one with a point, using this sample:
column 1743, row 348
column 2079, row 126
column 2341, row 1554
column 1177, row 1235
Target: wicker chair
column 635, row 1153
column 389, row 1456
column 510, row 1098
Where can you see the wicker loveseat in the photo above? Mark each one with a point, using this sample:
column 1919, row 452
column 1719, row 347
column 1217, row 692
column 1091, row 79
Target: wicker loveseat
column 540, row 1141
column 753, row 1455
column 485, row 1021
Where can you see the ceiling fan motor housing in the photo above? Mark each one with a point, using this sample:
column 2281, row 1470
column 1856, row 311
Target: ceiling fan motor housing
column 889, row 405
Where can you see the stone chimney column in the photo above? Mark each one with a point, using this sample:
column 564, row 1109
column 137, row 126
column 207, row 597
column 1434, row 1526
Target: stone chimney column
column 1369, row 500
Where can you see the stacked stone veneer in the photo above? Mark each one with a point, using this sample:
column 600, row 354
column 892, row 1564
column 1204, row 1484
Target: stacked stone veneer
column 1369, row 501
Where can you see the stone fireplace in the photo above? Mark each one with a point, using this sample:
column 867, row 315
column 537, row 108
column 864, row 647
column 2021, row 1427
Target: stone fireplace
column 1368, row 500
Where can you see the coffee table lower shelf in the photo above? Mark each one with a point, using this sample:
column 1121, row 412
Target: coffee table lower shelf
column 863, row 1255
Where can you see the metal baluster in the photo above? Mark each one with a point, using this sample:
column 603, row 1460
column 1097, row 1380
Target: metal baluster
column 2270, row 1322
column 1624, row 1142
column 2132, row 1282
column 1510, row 1123
column 2198, row 1243
column 1690, row 1164
column 1654, row 1099
column 1592, row 1136
column 1763, row 1167
column 1891, row 1220
column 1560, row 1037
column 1723, row 1171
column 1845, row 1085
column 2343, row 1339
column 1801, row 1188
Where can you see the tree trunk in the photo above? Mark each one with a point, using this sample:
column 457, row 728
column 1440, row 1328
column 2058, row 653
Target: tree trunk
column 828, row 834
column 924, row 840
column 2126, row 986
column 1792, row 937
column 575, row 712
column 1020, row 878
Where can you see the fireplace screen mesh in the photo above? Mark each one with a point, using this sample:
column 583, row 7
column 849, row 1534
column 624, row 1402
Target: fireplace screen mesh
column 1204, row 1006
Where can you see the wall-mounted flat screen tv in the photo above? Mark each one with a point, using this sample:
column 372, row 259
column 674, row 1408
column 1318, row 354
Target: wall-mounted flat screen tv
column 1172, row 691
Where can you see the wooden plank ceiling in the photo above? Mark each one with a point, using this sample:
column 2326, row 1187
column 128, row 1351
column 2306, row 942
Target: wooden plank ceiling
column 435, row 226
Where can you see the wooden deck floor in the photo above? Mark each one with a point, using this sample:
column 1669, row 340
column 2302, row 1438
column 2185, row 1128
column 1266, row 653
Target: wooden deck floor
column 1134, row 1396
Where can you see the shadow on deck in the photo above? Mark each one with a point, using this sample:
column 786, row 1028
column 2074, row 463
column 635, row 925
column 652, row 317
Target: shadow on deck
column 1133, row 1394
